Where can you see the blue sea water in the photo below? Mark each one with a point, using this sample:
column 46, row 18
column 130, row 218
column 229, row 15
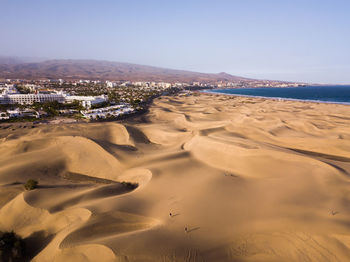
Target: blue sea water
column 329, row 94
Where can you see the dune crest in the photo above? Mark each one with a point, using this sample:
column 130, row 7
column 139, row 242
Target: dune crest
column 205, row 178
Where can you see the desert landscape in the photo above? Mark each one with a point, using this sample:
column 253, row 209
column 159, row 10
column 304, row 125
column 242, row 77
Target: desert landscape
column 200, row 177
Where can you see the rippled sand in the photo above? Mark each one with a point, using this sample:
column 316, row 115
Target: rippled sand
column 250, row 179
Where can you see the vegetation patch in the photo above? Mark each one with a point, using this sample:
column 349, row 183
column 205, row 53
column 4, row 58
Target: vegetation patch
column 31, row 184
column 12, row 247
column 130, row 185
column 79, row 178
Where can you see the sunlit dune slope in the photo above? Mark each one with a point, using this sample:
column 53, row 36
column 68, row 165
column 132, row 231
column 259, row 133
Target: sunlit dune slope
column 219, row 178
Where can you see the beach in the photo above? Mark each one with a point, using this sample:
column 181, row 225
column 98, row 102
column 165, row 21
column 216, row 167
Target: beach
column 220, row 178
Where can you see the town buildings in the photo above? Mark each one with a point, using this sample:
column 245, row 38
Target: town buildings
column 10, row 95
column 106, row 112
column 86, row 101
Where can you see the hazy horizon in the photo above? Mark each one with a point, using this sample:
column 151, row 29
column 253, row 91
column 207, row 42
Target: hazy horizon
column 298, row 41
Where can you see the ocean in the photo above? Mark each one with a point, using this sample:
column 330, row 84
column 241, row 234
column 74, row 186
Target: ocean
column 328, row 94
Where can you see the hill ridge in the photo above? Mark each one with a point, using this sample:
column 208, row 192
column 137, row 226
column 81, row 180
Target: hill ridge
column 103, row 70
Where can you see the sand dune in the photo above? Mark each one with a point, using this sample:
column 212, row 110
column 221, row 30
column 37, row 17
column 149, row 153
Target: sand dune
column 250, row 179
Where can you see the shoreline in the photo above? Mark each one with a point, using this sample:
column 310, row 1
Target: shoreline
column 207, row 91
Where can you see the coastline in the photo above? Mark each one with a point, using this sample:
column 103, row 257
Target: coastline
column 209, row 91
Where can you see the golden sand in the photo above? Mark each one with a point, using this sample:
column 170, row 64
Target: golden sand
column 250, row 179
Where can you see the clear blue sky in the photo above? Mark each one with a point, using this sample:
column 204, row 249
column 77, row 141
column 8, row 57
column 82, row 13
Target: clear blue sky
column 301, row 40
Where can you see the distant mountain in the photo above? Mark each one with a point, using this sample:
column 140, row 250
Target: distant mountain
column 12, row 60
column 101, row 70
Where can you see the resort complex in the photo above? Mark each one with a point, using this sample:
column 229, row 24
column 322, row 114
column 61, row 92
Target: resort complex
column 93, row 100
column 10, row 95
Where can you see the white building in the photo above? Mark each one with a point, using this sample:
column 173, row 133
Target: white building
column 10, row 96
column 27, row 99
column 87, row 101
column 105, row 112
column 164, row 85
column 110, row 84
column 19, row 113
column 127, row 83
column 4, row 116
column 84, row 81
column 32, row 87
column 8, row 89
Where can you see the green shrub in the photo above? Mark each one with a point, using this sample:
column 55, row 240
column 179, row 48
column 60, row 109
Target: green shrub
column 130, row 185
column 12, row 247
column 31, row 184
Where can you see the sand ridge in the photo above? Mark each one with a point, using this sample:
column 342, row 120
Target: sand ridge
column 251, row 179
